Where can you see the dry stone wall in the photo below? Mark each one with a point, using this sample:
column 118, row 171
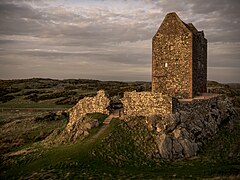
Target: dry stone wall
column 99, row 103
column 146, row 104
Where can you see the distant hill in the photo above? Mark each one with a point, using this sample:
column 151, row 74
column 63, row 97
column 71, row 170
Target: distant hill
column 40, row 92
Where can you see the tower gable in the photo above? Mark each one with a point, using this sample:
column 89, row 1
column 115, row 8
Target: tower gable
column 172, row 25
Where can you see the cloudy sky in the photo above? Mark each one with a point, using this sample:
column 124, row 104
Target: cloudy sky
column 109, row 39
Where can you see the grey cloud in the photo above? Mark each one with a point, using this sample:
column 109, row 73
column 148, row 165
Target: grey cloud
column 17, row 11
column 219, row 18
column 102, row 40
column 229, row 7
column 19, row 19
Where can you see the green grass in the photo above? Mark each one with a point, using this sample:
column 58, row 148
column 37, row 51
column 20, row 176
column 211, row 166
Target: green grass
column 65, row 155
column 20, row 102
column 18, row 129
column 77, row 160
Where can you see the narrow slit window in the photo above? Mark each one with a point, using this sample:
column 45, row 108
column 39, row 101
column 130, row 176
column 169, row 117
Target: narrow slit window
column 199, row 64
column 166, row 65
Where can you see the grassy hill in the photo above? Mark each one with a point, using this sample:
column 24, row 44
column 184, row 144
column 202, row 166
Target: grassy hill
column 23, row 155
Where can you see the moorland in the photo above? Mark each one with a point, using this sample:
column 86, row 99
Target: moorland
column 23, row 156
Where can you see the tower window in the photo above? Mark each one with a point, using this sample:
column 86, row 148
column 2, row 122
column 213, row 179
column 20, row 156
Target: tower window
column 199, row 64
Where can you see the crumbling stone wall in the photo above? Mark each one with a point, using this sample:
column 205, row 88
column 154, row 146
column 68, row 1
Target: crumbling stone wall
column 179, row 59
column 146, row 104
column 99, row 103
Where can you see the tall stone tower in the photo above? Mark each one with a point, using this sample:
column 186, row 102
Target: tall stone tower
column 179, row 59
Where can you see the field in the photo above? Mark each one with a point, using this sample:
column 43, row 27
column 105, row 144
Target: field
column 24, row 156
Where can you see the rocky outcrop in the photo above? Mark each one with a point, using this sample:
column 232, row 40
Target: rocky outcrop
column 80, row 130
column 139, row 140
column 99, row 103
column 182, row 134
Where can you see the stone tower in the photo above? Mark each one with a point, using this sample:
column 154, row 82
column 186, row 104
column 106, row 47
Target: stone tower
column 179, row 59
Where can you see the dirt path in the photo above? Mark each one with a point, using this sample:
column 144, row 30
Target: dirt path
column 106, row 124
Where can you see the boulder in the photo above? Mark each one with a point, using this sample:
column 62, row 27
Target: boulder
column 188, row 147
column 164, row 144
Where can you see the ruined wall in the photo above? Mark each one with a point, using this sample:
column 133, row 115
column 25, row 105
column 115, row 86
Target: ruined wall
column 172, row 57
column 146, row 104
column 98, row 103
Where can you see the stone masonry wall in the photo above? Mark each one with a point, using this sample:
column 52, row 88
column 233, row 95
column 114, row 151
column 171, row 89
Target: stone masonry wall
column 146, row 104
column 199, row 65
column 171, row 58
column 179, row 59
column 99, row 103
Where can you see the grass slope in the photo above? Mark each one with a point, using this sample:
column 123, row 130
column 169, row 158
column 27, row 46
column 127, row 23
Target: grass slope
column 74, row 158
column 219, row 158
